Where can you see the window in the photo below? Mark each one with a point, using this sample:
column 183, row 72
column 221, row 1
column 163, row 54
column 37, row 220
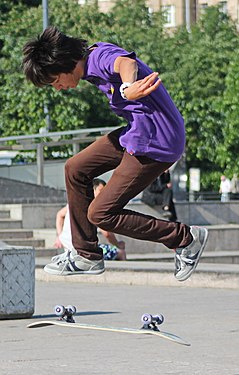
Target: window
column 223, row 6
column 169, row 14
column 203, row 6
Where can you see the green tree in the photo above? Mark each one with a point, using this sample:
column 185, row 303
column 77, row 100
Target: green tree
column 22, row 105
column 199, row 69
column 135, row 28
column 230, row 107
column 6, row 6
column 197, row 84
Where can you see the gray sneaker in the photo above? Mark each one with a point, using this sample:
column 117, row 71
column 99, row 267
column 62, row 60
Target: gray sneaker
column 68, row 264
column 187, row 258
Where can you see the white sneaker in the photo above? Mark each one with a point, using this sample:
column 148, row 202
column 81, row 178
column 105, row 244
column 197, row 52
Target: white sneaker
column 187, row 258
column 69, row 264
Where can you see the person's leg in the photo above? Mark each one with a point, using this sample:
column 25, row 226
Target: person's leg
column 101, row 156
column 167, row 197
column 121, row 255
column 168, row 204
column 107, row 210
column 158, row 198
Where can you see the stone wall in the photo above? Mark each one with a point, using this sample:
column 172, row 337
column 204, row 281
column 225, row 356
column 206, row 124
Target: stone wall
column 13, row 191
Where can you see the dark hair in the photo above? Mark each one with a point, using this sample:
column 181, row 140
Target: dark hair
column 97, row 182
column 50, row 54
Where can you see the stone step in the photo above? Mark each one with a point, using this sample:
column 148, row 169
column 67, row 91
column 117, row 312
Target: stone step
column 221, row 238
column 4, row 214
column 15, row 233
column 25, row 242
column 10, row 224
column 219, row 257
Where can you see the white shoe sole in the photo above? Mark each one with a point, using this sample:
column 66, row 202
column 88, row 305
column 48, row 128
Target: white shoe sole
column 70, row 273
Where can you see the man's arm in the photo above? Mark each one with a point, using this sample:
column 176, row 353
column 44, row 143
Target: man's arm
column 128, row 69
column 60, row 218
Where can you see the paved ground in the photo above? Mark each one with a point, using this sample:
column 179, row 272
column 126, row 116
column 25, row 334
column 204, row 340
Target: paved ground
column 152, row 273
column 206, row 317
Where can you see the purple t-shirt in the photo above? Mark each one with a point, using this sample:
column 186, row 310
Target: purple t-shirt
column 155, row 126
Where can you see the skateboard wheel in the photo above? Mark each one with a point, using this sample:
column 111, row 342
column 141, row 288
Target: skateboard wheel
column 146, row 319
column 158, row 319
column 60, row 310
column 71, row 309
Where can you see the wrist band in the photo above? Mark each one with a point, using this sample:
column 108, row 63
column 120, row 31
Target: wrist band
column 123, row 87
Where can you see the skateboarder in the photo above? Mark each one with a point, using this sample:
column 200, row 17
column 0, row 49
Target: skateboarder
column 152, row 140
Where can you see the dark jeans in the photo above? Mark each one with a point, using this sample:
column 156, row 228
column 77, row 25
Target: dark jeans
column 167, row 200
column 131, row 175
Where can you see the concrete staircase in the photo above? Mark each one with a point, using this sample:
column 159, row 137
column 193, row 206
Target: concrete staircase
column 12, row 233
column 222, row 245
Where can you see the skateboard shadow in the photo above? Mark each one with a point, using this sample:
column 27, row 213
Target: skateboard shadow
column 81, row 313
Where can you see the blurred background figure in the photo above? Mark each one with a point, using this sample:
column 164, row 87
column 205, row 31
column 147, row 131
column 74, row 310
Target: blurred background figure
column 160, row 193
column 235, row 186
column 113, row 249
column 225, row 189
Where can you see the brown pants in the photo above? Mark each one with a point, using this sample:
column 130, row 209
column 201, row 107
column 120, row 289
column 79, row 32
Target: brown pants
column 131, row 175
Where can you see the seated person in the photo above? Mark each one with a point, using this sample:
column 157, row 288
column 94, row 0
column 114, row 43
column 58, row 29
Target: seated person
column 160, row 193
column 113, row 250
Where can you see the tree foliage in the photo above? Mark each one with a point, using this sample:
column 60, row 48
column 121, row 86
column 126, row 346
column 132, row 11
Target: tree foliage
column 198, row 85
column 199, row 69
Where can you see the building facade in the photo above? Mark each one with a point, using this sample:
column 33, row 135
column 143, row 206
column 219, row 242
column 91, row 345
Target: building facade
column 180, row 12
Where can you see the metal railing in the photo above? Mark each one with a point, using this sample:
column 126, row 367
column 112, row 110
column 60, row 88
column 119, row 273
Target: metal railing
column 201, row 196
column 51, row 139
column 80, row 132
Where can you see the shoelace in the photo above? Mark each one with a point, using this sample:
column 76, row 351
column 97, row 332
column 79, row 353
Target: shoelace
column 63, row 258
column 184, row 261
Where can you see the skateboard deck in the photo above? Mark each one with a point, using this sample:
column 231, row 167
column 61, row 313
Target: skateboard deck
column 143, row 331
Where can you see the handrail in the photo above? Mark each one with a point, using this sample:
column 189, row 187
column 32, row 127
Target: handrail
column 57, row 134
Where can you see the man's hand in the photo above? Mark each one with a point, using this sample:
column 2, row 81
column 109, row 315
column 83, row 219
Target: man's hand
column 143, row 87
column 57, row 243
column 121, row 245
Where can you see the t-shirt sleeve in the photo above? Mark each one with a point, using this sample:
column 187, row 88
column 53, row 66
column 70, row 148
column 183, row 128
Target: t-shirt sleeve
column 107, row 56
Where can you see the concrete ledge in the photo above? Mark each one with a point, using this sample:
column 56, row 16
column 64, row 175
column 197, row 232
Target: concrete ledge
column 208, row 212
column 225, row 257
column 154, row 274
column 42, row 215
column 17, row 282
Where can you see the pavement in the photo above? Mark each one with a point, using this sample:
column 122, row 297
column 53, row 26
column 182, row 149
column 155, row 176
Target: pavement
column 153, row 272
column 205, row 317
column 202, row 310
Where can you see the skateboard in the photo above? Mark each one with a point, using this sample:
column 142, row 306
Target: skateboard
column 150, row 325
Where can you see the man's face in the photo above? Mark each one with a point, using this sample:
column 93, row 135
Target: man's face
column 65, row 81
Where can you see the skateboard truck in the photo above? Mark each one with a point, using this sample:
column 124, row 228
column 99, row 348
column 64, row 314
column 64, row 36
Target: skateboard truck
column 65, row 313
column 151, row 322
